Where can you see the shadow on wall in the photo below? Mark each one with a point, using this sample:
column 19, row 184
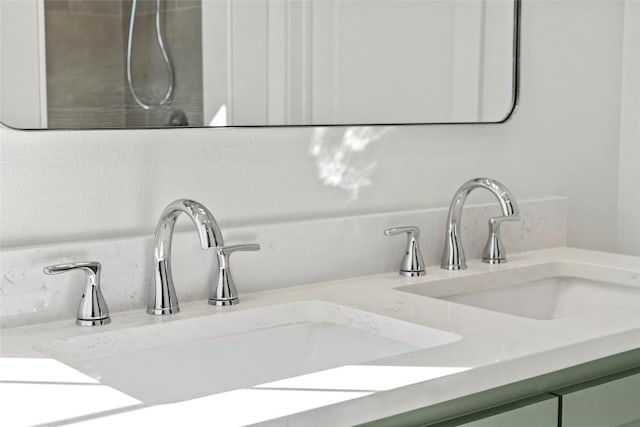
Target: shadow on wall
column 347, row 161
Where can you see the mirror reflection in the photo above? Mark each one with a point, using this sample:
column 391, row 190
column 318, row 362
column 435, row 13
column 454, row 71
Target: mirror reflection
column 156, row 63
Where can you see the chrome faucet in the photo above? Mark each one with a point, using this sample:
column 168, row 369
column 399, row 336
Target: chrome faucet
column 412, row 264
column 92, row 310
column 453, row 256
column 162, row 297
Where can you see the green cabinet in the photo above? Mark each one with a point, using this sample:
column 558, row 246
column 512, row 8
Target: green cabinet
column 601, row 393
column 540, row 411
column 607, row 402
column 610, row 401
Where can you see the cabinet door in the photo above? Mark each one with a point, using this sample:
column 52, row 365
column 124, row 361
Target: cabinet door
column 539, row 411
column 607, row 402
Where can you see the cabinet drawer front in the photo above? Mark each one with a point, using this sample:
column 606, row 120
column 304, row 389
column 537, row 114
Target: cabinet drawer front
column 540, row 414
column 612, row 403
column 539, row 411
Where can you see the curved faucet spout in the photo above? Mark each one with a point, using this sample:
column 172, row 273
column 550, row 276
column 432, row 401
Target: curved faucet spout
column 162, row 298
column 453, row 257
column 206, row 225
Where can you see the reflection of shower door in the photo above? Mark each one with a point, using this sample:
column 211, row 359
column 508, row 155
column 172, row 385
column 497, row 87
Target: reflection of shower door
column 254, row 61
column 408, row 61
column 23, row 76
column 278, row 62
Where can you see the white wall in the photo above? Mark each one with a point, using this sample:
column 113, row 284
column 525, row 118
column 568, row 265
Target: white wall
column 60, row 186
column 629, row 185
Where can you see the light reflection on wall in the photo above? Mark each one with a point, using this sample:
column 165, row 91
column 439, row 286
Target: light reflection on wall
column 220, row 118
column 347, row 162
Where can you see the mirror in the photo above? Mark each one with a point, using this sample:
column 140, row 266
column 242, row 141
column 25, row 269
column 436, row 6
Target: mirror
column 155, row 63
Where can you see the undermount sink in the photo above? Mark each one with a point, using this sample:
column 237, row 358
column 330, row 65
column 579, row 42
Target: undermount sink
column 545, row 299
column 184, row 359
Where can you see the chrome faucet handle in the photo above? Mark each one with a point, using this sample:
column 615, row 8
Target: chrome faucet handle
column 494, row 252
column 93, row 310
column 225, row 292
column 412, row 263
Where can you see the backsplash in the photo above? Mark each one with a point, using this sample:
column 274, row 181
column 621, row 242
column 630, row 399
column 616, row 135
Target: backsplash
column 291, row 254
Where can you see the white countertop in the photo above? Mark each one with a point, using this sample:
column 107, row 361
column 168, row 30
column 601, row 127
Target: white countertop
column 496, row 349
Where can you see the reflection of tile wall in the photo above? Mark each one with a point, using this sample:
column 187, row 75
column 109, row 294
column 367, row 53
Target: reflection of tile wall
column 86, row 62
column 183, row 40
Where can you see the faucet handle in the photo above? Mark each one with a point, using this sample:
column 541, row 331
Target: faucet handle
column 494, row 252
column 225, row 292
column 93, row 309
column 229, row 249
column 412, row 263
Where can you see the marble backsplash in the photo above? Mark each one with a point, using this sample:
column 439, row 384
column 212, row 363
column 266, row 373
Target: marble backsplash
column 292, row 253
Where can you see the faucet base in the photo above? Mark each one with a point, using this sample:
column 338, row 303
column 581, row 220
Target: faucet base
column 494, row 260
column 161, row 311
column 453, row 267
column 223, row 302
column 93, row 322
column 414, row 273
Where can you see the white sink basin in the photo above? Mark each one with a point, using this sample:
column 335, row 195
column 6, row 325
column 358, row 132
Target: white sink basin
column 549, row 298
column 184, row 359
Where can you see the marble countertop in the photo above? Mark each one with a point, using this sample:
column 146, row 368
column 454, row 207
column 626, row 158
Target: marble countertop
column 496, row 349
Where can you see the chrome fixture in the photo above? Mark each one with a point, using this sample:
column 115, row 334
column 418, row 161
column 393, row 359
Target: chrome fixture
column 411, row 264
column 162, row 297
column 163, row 51
column 453, row 256
column 494, row 252
column 93, row 310
column 225, row 292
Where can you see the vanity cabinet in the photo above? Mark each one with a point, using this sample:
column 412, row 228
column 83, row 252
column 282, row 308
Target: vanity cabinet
column 609, row 401
column 601, row 393
column 539, row 411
